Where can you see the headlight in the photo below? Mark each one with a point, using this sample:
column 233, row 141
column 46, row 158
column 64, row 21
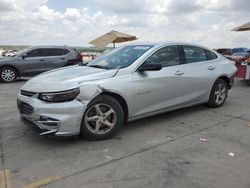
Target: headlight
column 59, row 96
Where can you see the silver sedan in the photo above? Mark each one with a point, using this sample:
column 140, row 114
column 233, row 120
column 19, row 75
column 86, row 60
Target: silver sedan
column 125, row 84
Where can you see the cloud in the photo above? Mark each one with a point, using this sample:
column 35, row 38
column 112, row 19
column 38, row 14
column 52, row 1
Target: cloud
column 72, row 14
column 226, row 5
column 6, row 5
column 183, row 7
column 44, row 14
column 123, row 7
column 207, row 22
column 241, row 5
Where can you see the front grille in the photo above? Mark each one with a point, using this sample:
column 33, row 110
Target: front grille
column 27, row 109
column 27, row 93
column 24, row 108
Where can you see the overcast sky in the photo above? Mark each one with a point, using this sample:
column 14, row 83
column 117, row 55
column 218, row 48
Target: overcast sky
column 75, row 23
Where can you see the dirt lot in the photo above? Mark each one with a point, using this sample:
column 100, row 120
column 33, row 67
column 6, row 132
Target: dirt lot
column 161, row 151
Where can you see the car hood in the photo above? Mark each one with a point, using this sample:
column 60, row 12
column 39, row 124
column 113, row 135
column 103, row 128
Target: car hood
column 6, row 59
column 66, row 78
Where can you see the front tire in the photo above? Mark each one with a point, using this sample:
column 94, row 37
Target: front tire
column 8, row 74
column 102, row 119
column 218, row 94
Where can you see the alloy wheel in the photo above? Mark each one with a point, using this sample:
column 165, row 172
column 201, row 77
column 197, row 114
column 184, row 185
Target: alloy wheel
column 8, row 75
column 220, row 94
column 100, row 118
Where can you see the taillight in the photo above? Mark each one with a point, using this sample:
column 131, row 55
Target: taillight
column 79, row 56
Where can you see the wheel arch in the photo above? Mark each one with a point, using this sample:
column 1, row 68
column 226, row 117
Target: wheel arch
column 226, row 79
column 11, row 66
column 121, row 101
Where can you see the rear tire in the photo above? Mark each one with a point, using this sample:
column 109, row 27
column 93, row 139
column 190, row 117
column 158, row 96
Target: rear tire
column 8, row 74
column 247, row 82
column 102, row 119
column 218, row 94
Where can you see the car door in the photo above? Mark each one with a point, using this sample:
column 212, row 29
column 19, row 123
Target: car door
column 160, row 90
column 199, row 72
column 33, row 62
column 56, row 58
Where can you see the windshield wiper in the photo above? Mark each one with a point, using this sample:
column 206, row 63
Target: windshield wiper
column 98, row 66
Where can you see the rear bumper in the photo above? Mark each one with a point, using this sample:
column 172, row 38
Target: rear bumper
column 243, row 71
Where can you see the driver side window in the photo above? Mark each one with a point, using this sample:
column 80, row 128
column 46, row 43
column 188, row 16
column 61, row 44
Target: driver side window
column 37, row 53
column 167, row 56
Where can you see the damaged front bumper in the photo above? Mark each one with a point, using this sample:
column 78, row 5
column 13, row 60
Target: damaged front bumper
column 59, row 119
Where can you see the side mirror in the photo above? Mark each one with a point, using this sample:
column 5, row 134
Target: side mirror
column 150, row 67
column 24, row 56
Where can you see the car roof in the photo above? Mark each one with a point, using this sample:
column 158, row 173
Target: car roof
column 160, row 44
column 61, row 47
column 223, row 49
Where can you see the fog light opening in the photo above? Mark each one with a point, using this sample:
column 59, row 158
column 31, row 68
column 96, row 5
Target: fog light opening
column 48, row 121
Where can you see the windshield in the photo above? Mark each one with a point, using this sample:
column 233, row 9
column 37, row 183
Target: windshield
column 120, row 57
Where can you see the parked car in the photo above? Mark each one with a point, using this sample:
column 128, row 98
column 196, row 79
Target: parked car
column 227, row 52
column 11, row 53
column 1, row 52
column 241, row 49
column 4, row 52
column 242, row 60
column 238, row 57
column 224, row 51
column 36, row 60
column 125, row 84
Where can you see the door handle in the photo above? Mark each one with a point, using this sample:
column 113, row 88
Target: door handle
column 179, row 73
column 42, row 60
column 63, row 58
column 211, row 68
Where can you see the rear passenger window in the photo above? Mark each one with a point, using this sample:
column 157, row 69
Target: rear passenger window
column 211, row 55
column 167, row 56
column 56, row 51
column 194, row 54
